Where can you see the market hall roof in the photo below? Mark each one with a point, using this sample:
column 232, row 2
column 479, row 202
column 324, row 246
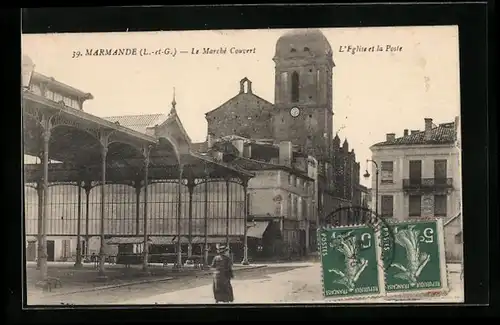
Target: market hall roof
column 75, row 143
column 59, row 86
column 139, row 123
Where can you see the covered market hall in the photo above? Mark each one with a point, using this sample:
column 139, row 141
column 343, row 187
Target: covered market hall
column 97, row 178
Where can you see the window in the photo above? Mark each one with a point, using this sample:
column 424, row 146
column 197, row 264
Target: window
column 36, row 89
column 289, row 179
column 387, row 172
column 58, row 97
column 289, row 205
column 458, row 238
column 415, row 172
column 284, row 85
column 295, row 207
column 440, row 174
column 387, row 206
column 415, row 206
column 67, row 101
column 295, row 87
column 440, row 205
column 49, row 94
column 305, row 212
column 298, row 207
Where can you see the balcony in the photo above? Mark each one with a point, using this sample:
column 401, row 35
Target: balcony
column 428, row 185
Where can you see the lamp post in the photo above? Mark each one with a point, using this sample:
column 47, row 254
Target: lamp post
column 366, row 175
column 245, row 248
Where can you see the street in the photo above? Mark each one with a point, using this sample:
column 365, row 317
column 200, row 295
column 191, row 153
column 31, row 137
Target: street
column 278, row 283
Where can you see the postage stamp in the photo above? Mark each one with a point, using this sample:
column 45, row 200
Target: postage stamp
column 418, row 264
column 349, row 262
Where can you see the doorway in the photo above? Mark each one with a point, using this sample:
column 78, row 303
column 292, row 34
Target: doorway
column 50, row 250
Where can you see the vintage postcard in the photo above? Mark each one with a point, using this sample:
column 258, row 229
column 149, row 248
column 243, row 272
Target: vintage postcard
column 243, row 166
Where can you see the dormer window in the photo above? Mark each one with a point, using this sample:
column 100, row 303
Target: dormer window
column 293, row 50
column 306, row 49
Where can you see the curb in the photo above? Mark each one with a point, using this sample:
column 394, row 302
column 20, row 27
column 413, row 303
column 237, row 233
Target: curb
column 113, row 286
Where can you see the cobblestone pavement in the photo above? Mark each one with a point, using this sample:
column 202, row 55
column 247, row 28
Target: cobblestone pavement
column 280, row 283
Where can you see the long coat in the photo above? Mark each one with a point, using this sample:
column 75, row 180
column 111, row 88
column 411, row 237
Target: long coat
column 222, row 288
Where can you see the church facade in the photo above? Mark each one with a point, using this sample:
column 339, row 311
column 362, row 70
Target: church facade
column 291, row 140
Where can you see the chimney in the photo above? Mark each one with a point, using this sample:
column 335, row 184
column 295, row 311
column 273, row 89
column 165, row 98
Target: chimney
column 428, row 128
column 414, row 131
column 390, row 137
column 405, row 132
column 285, row 156
column 238, row 143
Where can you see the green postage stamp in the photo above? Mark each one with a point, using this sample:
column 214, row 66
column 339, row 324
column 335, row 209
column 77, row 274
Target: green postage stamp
column 349, row 258
column 418, row 263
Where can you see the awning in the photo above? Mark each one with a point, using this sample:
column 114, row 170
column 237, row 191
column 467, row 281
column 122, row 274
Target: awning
column 162, row 240
column 125, row 240
column 257, row 229
column 210, row 240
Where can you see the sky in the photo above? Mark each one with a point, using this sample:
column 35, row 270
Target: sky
column 374, row 93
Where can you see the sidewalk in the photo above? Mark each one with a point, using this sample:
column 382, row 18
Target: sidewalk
column 86, row 279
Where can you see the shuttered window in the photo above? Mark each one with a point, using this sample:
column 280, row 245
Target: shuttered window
column 387, row 206
column 415, row 206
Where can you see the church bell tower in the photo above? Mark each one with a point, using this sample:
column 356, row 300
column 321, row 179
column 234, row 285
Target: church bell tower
column 303, row 91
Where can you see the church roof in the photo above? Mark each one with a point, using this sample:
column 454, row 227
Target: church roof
column 232, row 102
column 138, row 122
column 303, row 42
column 443, row 134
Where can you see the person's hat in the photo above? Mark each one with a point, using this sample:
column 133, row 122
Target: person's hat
column 222, row 248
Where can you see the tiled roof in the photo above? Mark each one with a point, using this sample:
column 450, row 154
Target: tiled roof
column 442, row 134
column 199, row 146
column 137, row 122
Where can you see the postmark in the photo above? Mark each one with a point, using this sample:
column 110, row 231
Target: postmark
column 352, row 247
column 367, row 217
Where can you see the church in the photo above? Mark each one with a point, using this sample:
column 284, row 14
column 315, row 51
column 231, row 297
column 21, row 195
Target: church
column 294, row 137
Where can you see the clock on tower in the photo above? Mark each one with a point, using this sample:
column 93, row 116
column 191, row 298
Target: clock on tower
column 303, row 91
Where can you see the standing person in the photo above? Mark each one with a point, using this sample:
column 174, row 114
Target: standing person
column 223, row 273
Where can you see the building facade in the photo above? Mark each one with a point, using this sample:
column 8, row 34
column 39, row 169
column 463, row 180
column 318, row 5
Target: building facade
column 420, row 176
